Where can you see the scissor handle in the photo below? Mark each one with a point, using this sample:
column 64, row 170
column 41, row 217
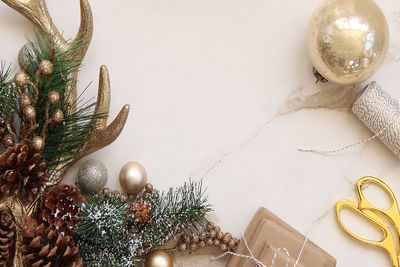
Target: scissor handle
column 387, row 241
column 392, row 213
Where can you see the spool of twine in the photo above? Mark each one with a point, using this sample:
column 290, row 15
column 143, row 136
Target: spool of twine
column 380, row 113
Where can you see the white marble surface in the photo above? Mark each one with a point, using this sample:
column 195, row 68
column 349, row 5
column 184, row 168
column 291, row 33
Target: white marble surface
column 208, row 82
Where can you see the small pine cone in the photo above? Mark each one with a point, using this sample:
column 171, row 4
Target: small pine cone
column 22, row 170
column 43, row 247
column 59, row 208
column 7, row 237
column 141, row 212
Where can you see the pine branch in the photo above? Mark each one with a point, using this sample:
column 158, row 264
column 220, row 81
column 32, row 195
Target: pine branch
column 64, row 140
column 180, row 210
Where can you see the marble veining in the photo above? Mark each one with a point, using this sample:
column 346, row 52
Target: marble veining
column 223, row 90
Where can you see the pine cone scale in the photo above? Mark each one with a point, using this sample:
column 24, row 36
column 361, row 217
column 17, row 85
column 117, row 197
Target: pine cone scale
column 7, row 237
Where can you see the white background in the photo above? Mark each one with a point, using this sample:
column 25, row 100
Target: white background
column 205, row 80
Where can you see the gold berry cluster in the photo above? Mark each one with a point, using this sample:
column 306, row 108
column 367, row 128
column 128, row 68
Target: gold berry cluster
column 213, row 237
column 28, row 104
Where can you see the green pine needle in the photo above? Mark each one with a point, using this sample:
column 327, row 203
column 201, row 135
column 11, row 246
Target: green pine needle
column 63, row 141
column 8, row 97
column 180, row 210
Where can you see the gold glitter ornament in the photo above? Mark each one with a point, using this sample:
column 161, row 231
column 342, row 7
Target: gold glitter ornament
column 25, row 100
column 53, row 97
column 46, row 67
column 21, row 79
column 30, row 112
column 133, row 178
column 347, row 40
column 182, row 247
column 158, row 258
column 38, row 143
column 57, row 116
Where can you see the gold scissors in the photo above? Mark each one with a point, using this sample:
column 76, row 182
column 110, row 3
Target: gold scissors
column 364, row 208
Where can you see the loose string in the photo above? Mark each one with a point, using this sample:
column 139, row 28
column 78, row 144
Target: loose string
column 367, row 140
column 380, row 113
column 259, row 263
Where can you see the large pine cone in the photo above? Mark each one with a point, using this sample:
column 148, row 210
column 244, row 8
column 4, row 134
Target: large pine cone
column 7, row 238
column 59, row 207
column 22, row 170
column 42, row 246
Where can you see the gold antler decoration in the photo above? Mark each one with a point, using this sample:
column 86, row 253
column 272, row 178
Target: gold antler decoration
column 36, row 11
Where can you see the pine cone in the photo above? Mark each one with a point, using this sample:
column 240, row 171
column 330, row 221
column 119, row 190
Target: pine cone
column 59, row 207
column 21, row 170
column 43, row 247
column 141, row 212
column 7, row 238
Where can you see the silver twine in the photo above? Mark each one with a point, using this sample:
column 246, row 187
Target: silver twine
column 380, row 113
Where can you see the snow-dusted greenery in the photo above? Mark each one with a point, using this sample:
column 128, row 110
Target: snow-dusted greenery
column 108, row 236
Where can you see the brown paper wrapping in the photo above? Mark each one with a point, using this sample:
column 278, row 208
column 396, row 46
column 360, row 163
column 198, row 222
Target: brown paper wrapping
column 267, row 233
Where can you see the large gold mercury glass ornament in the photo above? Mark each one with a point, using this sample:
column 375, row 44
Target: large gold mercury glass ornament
column 347, row 40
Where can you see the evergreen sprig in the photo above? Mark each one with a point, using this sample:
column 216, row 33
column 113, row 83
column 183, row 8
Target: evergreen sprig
column 107, row 236
column 64, row 140
column 102, row 235
column 180, row 210
column 102, row 218
column 8, row 97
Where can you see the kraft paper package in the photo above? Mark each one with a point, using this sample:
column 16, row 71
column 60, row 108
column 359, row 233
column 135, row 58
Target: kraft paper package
column 267, row 233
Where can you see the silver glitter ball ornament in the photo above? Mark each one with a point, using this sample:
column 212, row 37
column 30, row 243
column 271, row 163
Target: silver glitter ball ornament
column 24, row 54
column 92, row 176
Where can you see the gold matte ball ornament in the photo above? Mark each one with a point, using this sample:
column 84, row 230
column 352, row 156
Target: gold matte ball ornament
column 46, row 67
column 347, row 40
column 21, row 79
column 133, row 178
column 158, row 258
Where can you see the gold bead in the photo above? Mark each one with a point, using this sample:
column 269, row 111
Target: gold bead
column 226, row 238
column 202, row 244
column 348, row 40
column 193, row 246
column 46, row 67
column 106, row 190
column 187, row 239
column 30, row 112
column 57, row 116
column 133, row 178
column 8, row 141
column 232, row 244
column 217, row 229
column 217, row 242
column 209, row 242
column 209, row 227
column 21, row 79
column 223, row 248
column 149, row 188
column 38, row 143
column 220, row 235
column 195, row 239
column 182, row 247
column 213, row 233
column 203, row 236
column 53, row 97
column 25, row 100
